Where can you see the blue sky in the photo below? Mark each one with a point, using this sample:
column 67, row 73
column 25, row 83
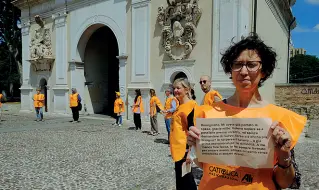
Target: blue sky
column 306, row 34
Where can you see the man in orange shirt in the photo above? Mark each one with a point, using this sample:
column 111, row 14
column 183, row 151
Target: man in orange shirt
column 38, row 102
column 211, row 96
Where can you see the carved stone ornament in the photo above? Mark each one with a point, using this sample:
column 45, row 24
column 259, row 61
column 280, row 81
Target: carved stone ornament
column 179, row 22
column 41, row 47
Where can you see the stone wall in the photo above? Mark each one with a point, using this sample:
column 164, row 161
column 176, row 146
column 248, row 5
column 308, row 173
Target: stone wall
column 301, row 98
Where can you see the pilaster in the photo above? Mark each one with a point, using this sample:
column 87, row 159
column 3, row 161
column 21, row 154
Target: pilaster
column 140, row 41
column 231, row 21
column 26, row 89
column 61, row 47
column 61, row 88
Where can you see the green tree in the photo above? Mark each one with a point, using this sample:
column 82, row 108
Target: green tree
column 10, row 46
column 304, row 69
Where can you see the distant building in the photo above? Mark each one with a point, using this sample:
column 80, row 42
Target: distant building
column 297, row 51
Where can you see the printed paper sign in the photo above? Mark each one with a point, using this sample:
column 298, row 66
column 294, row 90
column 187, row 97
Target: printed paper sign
column 245, row 142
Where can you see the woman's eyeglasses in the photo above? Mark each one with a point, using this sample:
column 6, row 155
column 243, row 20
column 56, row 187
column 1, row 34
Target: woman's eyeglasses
column 251, row 66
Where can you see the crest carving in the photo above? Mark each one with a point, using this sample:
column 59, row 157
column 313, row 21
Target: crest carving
column 41, row 47
column 179, row 22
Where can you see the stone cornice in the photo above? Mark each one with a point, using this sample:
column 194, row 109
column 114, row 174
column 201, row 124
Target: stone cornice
column 282, row 12
column 52, row 9
column 23, row 4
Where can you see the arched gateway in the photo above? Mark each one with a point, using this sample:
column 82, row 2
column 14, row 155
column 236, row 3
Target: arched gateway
column 98, row 50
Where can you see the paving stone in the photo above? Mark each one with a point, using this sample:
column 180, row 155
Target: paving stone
column 94, row 154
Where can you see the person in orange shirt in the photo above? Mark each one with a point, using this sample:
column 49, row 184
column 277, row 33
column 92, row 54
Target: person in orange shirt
column 211, row 96
column 118, row 108
column 1, row 99
column 171, row 104
column 250, row 62
column 178, row 141
column 137, row 109
column 155, row 107
column 38, row 102
column 75, row 103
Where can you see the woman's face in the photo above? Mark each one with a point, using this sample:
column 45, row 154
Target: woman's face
column 246, row 71
column 179, row 91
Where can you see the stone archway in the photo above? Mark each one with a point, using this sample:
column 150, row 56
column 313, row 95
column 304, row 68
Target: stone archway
column 43, row 85
column 101, row 70
column 178, row 75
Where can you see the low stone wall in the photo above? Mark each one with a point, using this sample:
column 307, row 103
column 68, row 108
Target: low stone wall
column 301, row 98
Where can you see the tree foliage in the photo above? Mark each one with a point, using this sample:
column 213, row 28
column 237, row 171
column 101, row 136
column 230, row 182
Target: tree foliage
column 304, row 69
column 10, row 46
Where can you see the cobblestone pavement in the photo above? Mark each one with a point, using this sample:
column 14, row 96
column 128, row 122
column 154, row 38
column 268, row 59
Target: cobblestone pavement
column 93, row 154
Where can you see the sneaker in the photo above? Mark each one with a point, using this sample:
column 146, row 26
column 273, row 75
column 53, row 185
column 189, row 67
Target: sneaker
column 120, row 125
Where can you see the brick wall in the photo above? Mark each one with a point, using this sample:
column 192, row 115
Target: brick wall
column 301, row 98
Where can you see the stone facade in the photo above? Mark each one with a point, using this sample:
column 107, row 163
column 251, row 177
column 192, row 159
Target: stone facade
column 301, row 98
column 148, row 44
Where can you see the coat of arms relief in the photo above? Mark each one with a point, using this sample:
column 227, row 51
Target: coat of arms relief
column 179, row 22
column 41, row 47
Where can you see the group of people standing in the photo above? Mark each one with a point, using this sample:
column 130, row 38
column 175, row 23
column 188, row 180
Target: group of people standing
column 249, row 62
column 74, row 101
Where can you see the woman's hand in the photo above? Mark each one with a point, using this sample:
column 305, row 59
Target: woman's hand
column 283, row 143
column 193, row 135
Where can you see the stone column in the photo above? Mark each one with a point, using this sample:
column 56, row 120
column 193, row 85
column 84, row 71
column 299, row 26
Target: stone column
column 26, row 89
column 61, row 88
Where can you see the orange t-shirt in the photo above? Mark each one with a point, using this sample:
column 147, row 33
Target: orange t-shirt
column 222, row 177
column 119, row 106
column 209, row 98
column 138, row 106
column 0, row 100
column 157, row 102
column 38, row 100
column 179, row 127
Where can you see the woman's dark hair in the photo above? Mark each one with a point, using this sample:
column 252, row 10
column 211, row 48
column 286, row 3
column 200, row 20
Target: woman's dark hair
column 193, row 94
column 267, row 55
column 138, row 93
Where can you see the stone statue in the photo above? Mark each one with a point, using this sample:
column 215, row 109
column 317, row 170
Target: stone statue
column 178, row 29
column 40, row 45
column 179, row 21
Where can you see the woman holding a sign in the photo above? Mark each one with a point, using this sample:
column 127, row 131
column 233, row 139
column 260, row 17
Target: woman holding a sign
column 243, row 142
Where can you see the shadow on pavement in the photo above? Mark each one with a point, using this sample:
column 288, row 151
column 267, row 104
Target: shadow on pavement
column 131, row 128
column 163, row 141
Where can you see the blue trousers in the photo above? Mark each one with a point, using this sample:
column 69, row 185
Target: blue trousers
column 168, row 126
column 39, row 113
column 119, row 119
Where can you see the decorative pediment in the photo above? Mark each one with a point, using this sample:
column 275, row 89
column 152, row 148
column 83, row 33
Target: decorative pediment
column 179, row 22
column 41, row 47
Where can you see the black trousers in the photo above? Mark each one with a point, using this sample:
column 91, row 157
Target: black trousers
column 187, row 182
column 75, row 113
column 137, row 121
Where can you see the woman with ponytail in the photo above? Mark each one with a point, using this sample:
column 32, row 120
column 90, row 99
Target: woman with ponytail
column 182, row 118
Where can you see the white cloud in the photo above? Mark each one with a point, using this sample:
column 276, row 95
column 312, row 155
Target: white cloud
column 314, row 2
column 303, row 29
